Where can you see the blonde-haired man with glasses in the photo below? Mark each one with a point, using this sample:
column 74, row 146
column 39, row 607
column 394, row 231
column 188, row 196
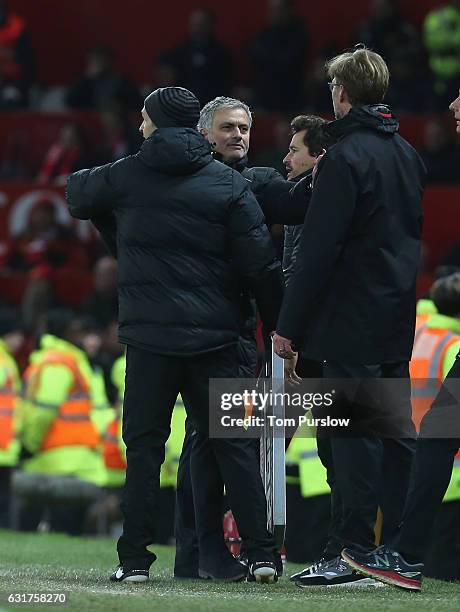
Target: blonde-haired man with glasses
column 402, row 563
column 351, row 305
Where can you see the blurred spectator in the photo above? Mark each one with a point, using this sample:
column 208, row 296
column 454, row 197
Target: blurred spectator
column 388, row 33
column 66, row 155
column 101, row 86
column 273, row 155
column 120, row 137
column 44, row 242
column 109, row 351
column 317, row 92
column 278, row 55
column 17, row 66
column 201, row 63
column 39, row 251
column 450, row 258
column 14, row 156
column 102, row 304
column 386, row 27
column 441, row 30
column 440, row 153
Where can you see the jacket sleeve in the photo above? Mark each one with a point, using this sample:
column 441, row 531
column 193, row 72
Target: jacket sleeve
column 291, row 251
column 106, row 225
column 324, row 234
column 287, row 253
column 283, row 201
column 253, row 253
column 92, row 192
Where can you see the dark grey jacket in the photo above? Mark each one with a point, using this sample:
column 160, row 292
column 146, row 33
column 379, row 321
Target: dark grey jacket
column 292, row 235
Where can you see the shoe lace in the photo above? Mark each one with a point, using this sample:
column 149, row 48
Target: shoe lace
column 337, row 563
column 317, row 565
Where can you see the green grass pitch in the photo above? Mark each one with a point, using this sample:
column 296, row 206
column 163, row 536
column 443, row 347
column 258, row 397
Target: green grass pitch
column 79, row 567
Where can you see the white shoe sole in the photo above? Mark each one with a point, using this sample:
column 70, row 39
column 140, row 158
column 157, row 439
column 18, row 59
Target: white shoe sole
column 383, row 580
column 135, row 579
column 265, row 575
column 358, row 584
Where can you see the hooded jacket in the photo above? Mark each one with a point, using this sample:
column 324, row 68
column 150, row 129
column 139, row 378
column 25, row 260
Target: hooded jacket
column 183, row 221
column 352, row 296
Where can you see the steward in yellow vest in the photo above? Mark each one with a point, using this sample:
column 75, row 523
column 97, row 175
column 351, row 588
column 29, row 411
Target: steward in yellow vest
column 10, row 388
column 441, row 30
column 58, row 429
column 436, row 345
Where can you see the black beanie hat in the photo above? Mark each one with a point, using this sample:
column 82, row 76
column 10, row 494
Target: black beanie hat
column 173, row 107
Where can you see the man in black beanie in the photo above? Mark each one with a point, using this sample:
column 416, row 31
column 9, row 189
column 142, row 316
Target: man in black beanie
column 183, row 222
column 172, row 107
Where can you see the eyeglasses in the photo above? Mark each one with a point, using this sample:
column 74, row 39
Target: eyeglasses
column 331, row 85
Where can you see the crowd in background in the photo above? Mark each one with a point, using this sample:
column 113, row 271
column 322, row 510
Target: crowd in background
column 424, row 63
column 280, row 76
column 425, row 71
column 425, row 76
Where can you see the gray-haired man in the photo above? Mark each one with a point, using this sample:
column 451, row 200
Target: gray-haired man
column 226, row 123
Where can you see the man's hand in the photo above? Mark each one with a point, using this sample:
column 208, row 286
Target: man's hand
column 282, row 347
column 289, row 371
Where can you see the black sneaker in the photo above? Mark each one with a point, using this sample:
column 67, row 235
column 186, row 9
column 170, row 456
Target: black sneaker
column 334, row 573
column 262, row 571
column 386, row 565
column 311, row 569
column 119, row 575
column 243, row 558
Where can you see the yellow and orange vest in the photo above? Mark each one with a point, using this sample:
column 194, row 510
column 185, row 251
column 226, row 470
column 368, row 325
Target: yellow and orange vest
column 7, row 405
column 73, row 424
column 426, row 367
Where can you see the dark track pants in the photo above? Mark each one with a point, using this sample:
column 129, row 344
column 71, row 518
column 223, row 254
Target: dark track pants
column 366, row 472
column 152, row 385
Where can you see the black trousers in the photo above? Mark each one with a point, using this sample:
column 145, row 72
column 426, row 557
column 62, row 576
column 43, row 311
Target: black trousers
column 152, row 385
column 432, row 469
column 200, row 508
column 187, row 553
column 367, row 472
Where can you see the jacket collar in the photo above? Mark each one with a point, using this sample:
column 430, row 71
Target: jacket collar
column 299, row 177
column 377, row 117
column 239, row 165
column 175, row 151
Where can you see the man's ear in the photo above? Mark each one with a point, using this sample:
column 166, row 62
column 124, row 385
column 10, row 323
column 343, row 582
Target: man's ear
column 205, row 133
column 343, row 95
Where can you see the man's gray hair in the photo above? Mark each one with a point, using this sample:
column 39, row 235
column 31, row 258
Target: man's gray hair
column 209, row 109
